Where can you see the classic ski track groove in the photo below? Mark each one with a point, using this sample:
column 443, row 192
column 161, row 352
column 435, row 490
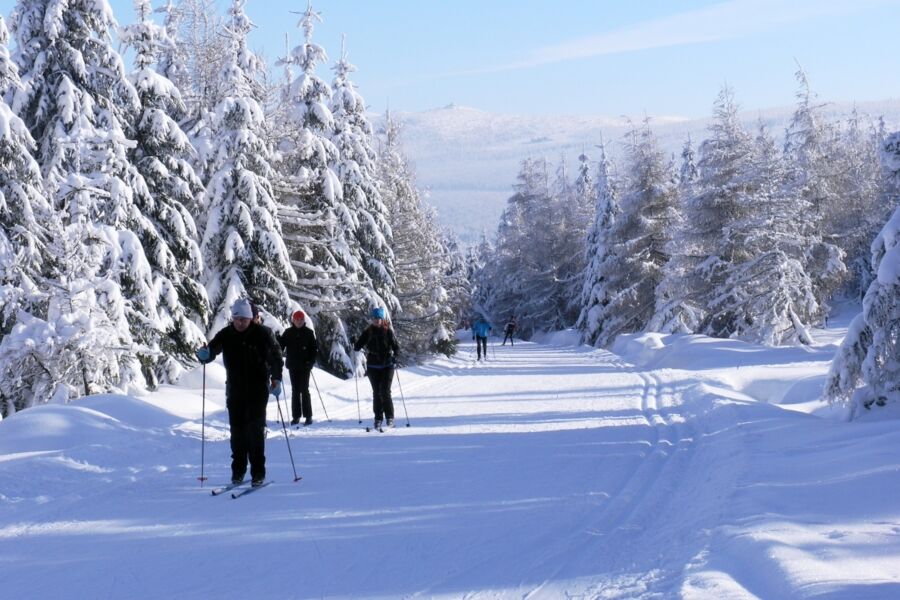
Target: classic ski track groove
column 655, row 470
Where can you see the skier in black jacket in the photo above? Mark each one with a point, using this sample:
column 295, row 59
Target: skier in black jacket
column 508, row 332
column 253, row 366
column 381, row 355
column 299, row 343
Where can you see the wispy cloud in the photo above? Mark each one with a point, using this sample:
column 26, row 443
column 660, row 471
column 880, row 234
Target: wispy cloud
column 723, row 21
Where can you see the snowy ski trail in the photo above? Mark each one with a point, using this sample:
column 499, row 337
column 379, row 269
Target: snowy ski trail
column 548, row 472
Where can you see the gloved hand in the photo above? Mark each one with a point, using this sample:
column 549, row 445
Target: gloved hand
column 203, row 355
column 275, row 388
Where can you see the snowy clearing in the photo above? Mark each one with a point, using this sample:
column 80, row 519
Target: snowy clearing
column 682, row 467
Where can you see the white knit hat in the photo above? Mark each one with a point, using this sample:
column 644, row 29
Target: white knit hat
column 241, row 308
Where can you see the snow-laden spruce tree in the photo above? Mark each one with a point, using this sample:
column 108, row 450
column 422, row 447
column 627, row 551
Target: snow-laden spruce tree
column 738, row 261
column 422, row 263
column 497, row 286
column 598, row 250
column 687, row 173
column 521, row 274
column 457, row 284
column 552, row 259
column 862, row 210
column 318, row 225
column 172, row 59
column 27, row 223
column 200, row 53
column 676, row 310
column 79, row 106
column 370, row 237
column 866, row 369
column 711, row 244
column 577, row 215
column 768, row 295
column 243, row 249
column 809, row 149
column 162, row 156
column 25, row 214
column 638, row 241
column 478, row 261
column 194, row 61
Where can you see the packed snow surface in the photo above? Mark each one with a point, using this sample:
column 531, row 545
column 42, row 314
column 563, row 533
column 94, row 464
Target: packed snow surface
column 680, row 467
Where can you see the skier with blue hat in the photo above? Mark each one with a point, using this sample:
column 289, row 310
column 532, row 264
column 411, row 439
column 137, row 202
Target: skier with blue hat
column 381, row 355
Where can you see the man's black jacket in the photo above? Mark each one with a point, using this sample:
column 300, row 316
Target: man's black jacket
column 251, row 357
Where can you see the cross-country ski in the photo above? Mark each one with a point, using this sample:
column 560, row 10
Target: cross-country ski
column 247, row 490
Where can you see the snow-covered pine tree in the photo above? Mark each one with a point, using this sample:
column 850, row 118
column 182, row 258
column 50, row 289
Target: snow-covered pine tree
column 639, row 240
column 687, row 174
column 85, row 344
column 809, row 148
column 78, row 105
column 520, row 274
column 422, row 263
column 194, row 63
column 34, row 373
column 599, row 249
column 242, row 242
column 458, row 286
column 866, row 368
column 537, row 268
column 578, row 214
column 370, row 237
column 710, row 245
column 769, row 293
column 861, row 212
column 478, row 261
column 27, row 223
column 316, row 220
column 740, row 253
column 497, row 286
column 553, row 259
column 25, row 213
column 162, row 156
column 172, row 59
column 676, row 310
column 200, row 54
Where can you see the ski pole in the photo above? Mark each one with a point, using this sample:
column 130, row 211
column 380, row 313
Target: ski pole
column 202, row 477
column 494, row 348
column 356, row 380
column 320, row 395
column 402, row 398
column 286, row 438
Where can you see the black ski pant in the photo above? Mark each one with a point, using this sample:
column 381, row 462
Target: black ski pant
column 481, row 342
column 301, row 401
column 247, row 419
column 509, row 337
column 381, row 379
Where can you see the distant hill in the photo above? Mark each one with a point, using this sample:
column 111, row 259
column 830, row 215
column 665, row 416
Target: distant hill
column 467, row 159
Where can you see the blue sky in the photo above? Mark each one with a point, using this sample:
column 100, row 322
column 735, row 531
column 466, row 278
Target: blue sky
column 599, row 57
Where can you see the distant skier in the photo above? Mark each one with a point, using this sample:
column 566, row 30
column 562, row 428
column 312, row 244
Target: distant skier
column 382, row 350
column 480, row 332
column 299, row 343
column 508, row 332
column 253, row 367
